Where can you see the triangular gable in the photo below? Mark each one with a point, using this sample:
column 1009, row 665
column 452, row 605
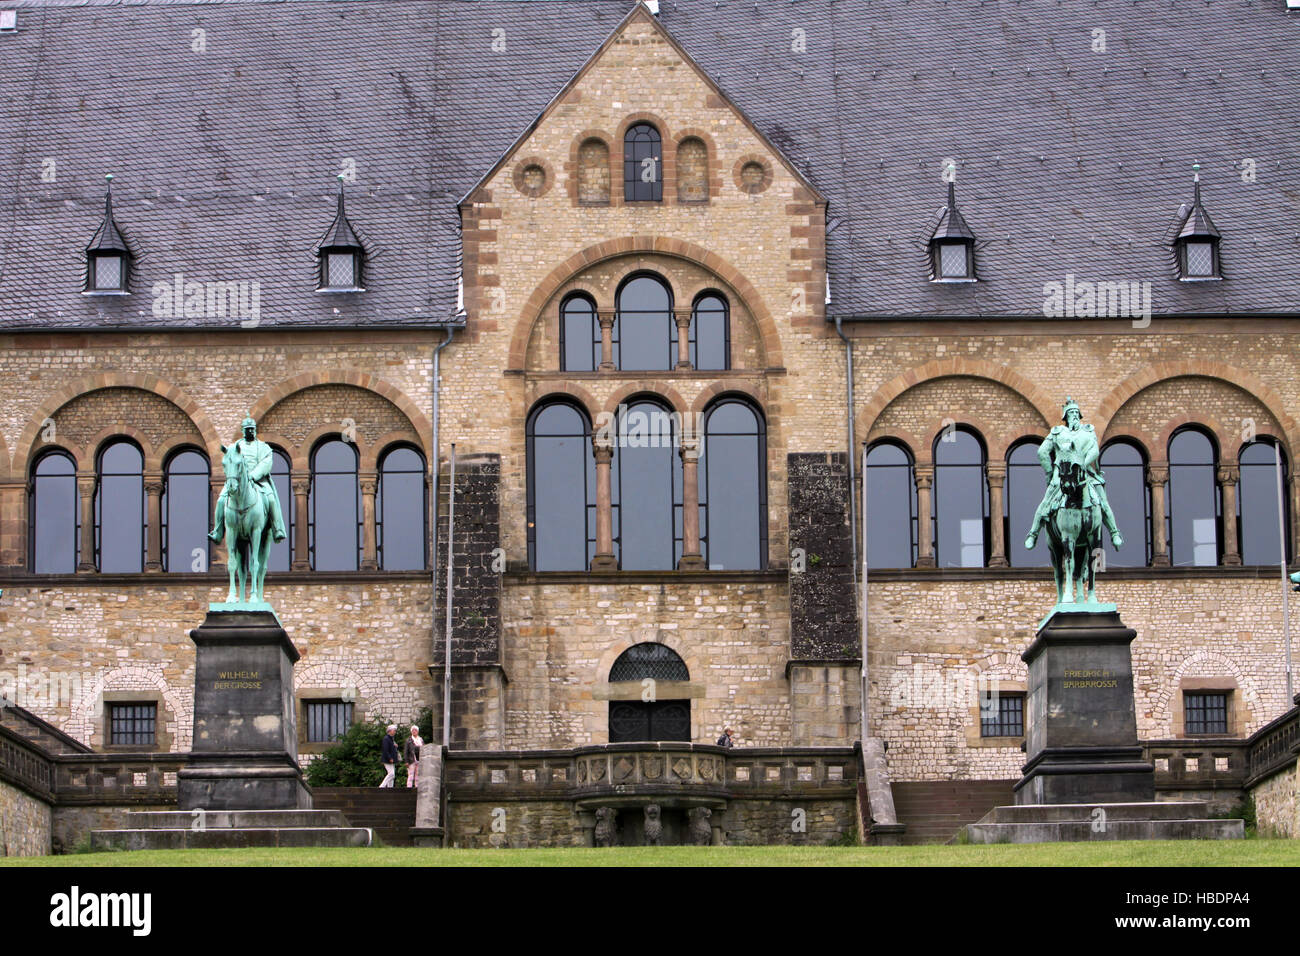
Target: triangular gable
column 641, row 11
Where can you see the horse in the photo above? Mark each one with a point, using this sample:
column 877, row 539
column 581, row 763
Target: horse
column 247, row 521
column 1073, row 535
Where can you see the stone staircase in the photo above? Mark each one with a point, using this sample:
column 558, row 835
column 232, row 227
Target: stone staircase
column 44, row 735
column 389, row 813
column 1062, row 822
column 229, row 829
column 934, row 810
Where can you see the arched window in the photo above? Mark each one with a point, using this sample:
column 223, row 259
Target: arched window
column 658, row 718
column 645, row 335
column 1257, row 515
column 1025, row 487
column 1124, row 465
column 733, row 487
column 334, row 507
column 646, row 477
column 119, row 509
column 561, row 489
column 281, row 551
column 961, row 500
column 692, row 170
column 579, row 335
column 186, row 512
column 401, row 510
column 593, row 172
column 55, row 529
column 891, row 507
column 710, row 339
column 1193, row 499
column 643, row 178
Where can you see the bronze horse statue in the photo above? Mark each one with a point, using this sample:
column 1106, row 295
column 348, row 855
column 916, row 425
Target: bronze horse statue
column 1073, row 536
column 247, row 523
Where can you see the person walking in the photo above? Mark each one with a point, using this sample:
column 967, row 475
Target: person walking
column 725, row 740
column 389, row 756
column 411, row 754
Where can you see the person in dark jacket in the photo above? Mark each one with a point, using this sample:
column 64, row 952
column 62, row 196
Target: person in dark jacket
column 725, row 740
column 389, row 756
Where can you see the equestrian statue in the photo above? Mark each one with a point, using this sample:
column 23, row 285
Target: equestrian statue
column 1074, row 509
column 247, row 514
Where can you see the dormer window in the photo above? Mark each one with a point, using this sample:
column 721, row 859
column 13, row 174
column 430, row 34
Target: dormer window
column 341, row 254
column 108, row 258
column 1197, row 242
column 952, row 245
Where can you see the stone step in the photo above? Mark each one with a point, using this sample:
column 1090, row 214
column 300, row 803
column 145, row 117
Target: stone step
column 229, row 838
column 236, row 819
column 1080, row 832
column 1086, row 812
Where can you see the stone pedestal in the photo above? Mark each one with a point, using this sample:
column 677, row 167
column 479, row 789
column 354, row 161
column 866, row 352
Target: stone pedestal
column 245, row 750
column 1081, row 734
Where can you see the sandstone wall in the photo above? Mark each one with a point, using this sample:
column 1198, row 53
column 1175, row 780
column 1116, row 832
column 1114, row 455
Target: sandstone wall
column 25, row 828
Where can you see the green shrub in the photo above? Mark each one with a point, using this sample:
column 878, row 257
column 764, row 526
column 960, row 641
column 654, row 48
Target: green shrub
column 353, row 761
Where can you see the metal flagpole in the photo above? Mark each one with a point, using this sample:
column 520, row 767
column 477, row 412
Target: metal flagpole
column 1286, row 590
column 446, row 664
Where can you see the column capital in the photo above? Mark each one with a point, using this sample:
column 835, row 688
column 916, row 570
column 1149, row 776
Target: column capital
column 1157, row 474
column 85, row 485
column 301, row 486
column 1229, row 474
column 153, row 486
column 606, row 318
column 924, row 475
column 997, row 474
column 603, row 450
column 369, row 486
column 682, row 317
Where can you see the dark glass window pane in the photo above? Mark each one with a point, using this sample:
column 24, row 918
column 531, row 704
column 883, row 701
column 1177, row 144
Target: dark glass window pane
column 1025, row 487
column 334, row 506
column 642, row 164
column 561, row 480
column 644, row 328
column 119, row 509
column 733, row 470
column 1261, row 531
column 1200, row 259
column 327, row 720
column 1002, row 715
column 709, row 344
column 580, row 333
column 891, row 508
column 107, row 272
column 960, row 500
column 649, row 720
column 281, row 550
column 952, row 260
column 1205, row 713
column 54, row 515
column 1193, row 500
column 646, row 481
column 133, row 725
column 342, row 269
column 185, row 513
column 400, row 507
column 1130, row 500
column 649, row 659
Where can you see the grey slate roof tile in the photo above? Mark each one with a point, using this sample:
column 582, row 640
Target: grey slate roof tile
column 1070, row 161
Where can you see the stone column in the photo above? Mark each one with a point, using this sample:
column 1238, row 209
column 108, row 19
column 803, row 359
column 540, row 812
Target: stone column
column 1228, row 476
column 606, row 320
column 924, row 538
column 301, row 488
column 997, row 475
column 86, row 489
column 215, row 485
column 1157, row 475
column 1291, row 491
column 692, row 559
column 153, row 489
column 369, row 558
column 604, row 560
column 683, row 319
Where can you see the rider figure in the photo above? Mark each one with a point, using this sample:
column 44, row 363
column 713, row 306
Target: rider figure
column 259, row 459
column 1077, row 442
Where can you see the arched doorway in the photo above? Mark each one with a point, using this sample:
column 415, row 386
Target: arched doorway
column 659, row 712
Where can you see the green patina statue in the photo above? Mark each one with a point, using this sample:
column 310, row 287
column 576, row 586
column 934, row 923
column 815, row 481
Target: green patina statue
column 1074, row 508
column 248, row 514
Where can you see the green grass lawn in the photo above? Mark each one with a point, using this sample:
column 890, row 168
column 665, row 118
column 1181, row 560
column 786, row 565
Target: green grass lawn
column 1134, row 853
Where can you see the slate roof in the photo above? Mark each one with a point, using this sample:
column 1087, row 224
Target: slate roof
column 1068, row 160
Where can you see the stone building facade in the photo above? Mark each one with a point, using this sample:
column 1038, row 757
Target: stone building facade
column 539, row 210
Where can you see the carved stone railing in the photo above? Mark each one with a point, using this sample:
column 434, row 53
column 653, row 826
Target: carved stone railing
column 25, row 765
column 694, row 773
column 1274, row 747
column 98, row 779
column 1211, row 763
